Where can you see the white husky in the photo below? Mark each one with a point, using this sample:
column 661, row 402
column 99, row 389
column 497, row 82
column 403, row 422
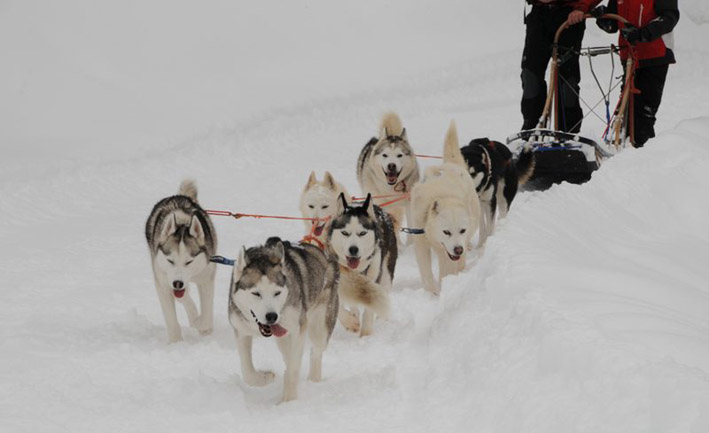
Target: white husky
column 181, row 239
column 446, row 205
column 319, row 200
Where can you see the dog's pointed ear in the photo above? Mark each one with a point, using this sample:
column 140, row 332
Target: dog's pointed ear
column 434, row 208
column 486, row 160
column 403, row 135
column 312, row 180
column 367, row 205
column 280, row 252
column 169, row 227
column 241, row 264
column 341, row 204
column 383, row 133
column 196, row 229
column 329, row 181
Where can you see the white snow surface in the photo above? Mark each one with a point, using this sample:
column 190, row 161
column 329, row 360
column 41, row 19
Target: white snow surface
column 588, row 311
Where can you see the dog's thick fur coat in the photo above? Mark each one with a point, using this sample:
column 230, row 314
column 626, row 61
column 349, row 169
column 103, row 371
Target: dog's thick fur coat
column 444, row 203
column 497, row 177
column 319, row 200
column 363, row 241
column 387, row 166
column 181, row 240
column 289, row 292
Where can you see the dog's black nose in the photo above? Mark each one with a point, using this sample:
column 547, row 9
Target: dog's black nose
column 391, row 167
column 271, row 318
column 354, row 251
column 458, row 251
column 178, row 285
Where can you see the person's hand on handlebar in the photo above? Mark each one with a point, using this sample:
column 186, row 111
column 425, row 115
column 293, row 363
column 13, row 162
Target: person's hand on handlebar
column 575, row 17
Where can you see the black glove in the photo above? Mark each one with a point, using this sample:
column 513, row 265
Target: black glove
column 608, row 25
column 631, row 34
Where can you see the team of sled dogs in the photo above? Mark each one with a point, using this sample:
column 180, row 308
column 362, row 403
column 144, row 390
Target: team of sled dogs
column 296, row 290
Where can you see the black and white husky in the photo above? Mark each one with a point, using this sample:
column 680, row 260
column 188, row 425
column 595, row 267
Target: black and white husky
column 288, row 292
column 363, row 239
column 181, row 240
column 387, row 166
column 496, row 178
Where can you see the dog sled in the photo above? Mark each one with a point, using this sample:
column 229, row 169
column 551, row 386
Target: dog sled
column 563, row 156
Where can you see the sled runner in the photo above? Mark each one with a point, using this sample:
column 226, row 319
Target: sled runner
column 564, row 156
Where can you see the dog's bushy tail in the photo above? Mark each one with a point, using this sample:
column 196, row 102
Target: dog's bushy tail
column 525, row 165
column 392, row 123
column 356, row 289
column 189, row 189
column 451, row 149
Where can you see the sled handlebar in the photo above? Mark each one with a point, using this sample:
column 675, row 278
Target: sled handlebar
column 551, row 96
column 566, row 25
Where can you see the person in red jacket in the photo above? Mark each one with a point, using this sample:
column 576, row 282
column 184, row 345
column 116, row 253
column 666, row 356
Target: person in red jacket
column 542, row 23
column 650, row 34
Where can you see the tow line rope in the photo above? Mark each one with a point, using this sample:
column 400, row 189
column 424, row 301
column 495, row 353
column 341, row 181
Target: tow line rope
column 237, row 215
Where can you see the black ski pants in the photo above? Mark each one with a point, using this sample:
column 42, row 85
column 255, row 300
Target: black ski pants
column 542, row 24
column 650, row 81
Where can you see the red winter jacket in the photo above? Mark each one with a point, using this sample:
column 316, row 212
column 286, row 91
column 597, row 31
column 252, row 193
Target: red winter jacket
column 655, row 19
column 582, row 5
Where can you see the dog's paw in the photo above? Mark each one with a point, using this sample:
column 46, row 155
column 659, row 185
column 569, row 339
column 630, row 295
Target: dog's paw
column 171, row 339
column 349, row 321
column 434, row 289
column 365, row 333
column 315, row 376
column 203, row 326
column 259, row 378
column 289, row 395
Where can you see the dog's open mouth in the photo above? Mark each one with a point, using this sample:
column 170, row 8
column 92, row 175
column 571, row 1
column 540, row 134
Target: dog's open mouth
column 269, row 330
column 317, row 231
column 179, row 293
column 453, row 257
column 392, row 177
column 353, row 262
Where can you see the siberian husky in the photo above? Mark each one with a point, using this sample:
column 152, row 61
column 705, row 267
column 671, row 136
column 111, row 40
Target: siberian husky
column 363, row 240
column 319, row 200
column 181, row 240
column 496, row 178
column 387, row 166
column 285, row 291
column 445, row 205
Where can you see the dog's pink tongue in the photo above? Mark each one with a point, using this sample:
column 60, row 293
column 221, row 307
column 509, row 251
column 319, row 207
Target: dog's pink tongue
column 318, row 230
column 178, row 293
column 353, row 262
column 278, row 330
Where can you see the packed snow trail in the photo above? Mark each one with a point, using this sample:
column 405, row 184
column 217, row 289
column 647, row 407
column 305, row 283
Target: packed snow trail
column 586, row 312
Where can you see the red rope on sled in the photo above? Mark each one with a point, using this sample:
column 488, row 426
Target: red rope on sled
column 428, row 156
column 390, row 202
column 353, row 198
column 237, row 215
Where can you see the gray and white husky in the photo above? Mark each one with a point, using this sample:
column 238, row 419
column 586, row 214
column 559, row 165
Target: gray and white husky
column 181, row 240
column 363, row 239
column 285, row 291
column 387, row 166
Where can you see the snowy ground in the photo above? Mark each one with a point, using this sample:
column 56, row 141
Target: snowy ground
column 587, row 312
